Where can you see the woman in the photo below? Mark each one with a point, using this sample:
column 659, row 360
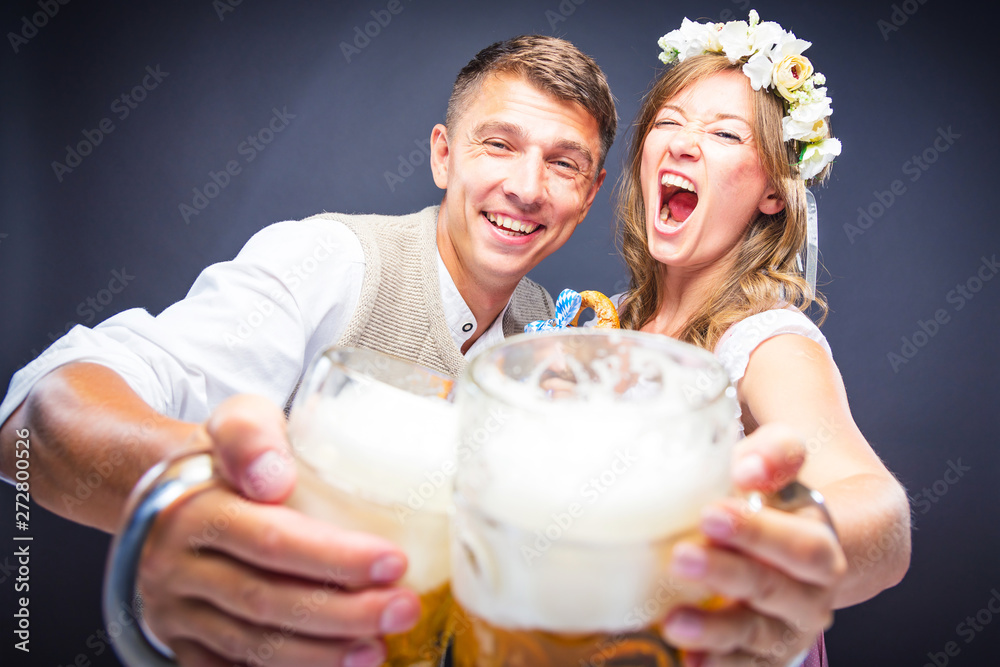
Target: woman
column 712, row 209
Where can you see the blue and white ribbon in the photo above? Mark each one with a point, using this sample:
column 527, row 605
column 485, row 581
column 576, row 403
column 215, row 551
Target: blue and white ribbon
column 567, row 307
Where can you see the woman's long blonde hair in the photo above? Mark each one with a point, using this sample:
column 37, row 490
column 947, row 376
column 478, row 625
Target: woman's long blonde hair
column 765, row 275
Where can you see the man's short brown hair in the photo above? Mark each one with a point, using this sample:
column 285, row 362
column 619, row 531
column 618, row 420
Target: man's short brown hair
column 551, row 64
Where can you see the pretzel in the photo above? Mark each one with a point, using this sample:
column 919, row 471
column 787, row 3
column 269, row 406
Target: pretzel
column 604, row 309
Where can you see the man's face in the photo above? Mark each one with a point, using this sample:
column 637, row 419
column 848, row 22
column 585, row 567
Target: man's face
column 519, row 170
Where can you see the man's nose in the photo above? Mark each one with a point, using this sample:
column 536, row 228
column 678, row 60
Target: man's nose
column 526, row 180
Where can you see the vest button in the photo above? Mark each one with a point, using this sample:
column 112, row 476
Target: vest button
column 467, row 327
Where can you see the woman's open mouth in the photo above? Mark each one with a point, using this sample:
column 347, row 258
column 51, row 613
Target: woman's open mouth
column 678, row 200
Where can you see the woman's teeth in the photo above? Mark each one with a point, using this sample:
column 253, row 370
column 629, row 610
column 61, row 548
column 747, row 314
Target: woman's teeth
column 510, row 224
column 678, row 203
column 678, row 181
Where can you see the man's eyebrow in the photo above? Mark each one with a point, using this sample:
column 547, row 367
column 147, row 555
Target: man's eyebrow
column 718, row 116
column 512, row 129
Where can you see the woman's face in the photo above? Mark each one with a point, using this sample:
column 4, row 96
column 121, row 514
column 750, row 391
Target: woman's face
column 702, row 180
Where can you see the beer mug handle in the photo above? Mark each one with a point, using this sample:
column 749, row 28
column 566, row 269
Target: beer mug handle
column 162, row 484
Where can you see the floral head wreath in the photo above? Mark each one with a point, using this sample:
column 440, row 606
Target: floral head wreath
column 772, row 59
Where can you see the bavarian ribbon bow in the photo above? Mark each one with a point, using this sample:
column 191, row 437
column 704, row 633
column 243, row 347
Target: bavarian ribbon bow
column 567, row 307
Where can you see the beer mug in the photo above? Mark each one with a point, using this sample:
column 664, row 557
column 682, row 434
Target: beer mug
column 374, row 444
column 583, row 457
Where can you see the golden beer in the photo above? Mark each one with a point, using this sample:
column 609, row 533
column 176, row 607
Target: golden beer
column 567, row 511
column 375, row 450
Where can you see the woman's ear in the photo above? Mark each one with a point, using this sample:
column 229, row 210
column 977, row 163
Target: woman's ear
column 771, row 203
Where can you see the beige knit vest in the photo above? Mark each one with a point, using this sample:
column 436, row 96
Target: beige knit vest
column 400, row 310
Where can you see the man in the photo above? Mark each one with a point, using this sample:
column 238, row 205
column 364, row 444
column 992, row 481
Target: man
column 520, row 158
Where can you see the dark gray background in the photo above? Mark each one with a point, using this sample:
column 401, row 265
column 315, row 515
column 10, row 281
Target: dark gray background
column 354, row 121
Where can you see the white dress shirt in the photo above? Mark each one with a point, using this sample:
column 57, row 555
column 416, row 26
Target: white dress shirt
column 250, row 325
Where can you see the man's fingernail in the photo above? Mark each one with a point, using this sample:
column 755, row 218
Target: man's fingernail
column 399, row 615
column 365, row 655
column 716, row 523
column 387, row 569
column 267, row 477
column 689, row 560
column 749, row 470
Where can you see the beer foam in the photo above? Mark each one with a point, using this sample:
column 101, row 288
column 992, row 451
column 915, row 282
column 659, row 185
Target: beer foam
column 381, row 442
column 626, row 479
column 569, row 527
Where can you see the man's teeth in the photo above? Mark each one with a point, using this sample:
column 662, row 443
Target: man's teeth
column 511, row 224
column 679, row 181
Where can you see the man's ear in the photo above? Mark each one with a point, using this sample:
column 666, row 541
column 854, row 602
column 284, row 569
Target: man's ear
column 439, row 155
column 595, row 186
column 771, row 203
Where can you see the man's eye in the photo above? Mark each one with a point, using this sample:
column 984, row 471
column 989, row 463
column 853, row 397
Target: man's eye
column 499, row 145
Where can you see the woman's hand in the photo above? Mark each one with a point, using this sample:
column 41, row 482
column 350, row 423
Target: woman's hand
column 779, row 571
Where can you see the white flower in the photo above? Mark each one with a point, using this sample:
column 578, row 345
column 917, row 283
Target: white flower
column 812, row 111
column 773, row 61
column 816, row 156
column 768, row 39
column 696, row 38
column 734, row 38
column 759, row 68
column 797, row 130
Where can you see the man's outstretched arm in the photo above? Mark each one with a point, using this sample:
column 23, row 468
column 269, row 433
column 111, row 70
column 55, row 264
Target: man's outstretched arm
column 212, row 604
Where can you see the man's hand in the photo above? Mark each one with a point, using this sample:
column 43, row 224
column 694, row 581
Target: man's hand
column 780, row 571
column 229, row 577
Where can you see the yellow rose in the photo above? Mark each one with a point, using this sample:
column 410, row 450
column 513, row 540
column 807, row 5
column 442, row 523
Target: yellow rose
column 790, row 74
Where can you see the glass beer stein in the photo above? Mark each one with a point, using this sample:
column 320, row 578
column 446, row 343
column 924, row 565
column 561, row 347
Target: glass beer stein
column 583, row 456
column 374, row 441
